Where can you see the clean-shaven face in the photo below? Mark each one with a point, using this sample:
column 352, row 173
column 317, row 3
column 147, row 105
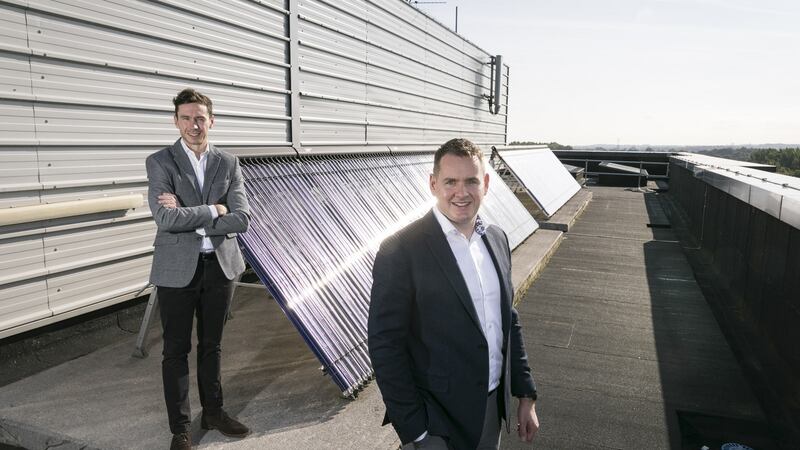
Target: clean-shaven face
column 193, row 121
column 459, row 188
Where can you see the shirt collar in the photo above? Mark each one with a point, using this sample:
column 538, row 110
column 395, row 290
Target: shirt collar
column 449, row 228
column 190, row 153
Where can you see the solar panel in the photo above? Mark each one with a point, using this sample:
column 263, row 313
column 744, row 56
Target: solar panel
column 547, row 181
column 316, row 225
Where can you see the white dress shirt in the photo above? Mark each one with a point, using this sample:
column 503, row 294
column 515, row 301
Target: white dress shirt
column 199, row 166
column 481, row 277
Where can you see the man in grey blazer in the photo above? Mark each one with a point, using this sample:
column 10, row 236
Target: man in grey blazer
column 196, row 194
column 444, row 338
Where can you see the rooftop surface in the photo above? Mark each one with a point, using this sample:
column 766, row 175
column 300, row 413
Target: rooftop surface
column 624, row 348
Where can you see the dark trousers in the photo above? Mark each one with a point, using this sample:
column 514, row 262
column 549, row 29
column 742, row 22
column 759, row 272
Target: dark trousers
column 208, row 296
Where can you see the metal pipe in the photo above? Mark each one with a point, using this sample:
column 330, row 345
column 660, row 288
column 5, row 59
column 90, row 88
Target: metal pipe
column 26, row 214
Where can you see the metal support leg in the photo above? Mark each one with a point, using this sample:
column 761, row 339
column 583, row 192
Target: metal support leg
column 139, row 351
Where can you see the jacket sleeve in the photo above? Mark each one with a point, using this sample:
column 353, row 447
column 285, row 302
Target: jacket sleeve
column 175, row 220
column 237, row 220
column 522, row 384
column 390, row 310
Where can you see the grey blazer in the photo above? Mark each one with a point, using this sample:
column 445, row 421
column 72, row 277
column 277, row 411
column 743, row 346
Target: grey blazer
column 177, row 245
column 427, row 347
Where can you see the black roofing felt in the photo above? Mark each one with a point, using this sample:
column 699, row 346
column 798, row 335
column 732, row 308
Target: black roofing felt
column 621, row 339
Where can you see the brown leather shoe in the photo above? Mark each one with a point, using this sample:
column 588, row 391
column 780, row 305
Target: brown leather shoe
column 225, row 424
column 181, row 441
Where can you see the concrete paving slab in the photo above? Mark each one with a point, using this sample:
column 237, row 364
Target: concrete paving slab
column 568, row 214
column 620, row 337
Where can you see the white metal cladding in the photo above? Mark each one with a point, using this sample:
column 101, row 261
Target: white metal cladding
column 418, row 82
column 85, row 90
column 776, row 194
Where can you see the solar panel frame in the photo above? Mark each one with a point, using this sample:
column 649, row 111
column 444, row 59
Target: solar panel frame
column 546, row 180
column 316, row 225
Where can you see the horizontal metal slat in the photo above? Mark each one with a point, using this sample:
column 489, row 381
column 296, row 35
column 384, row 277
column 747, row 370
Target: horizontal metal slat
column 72, row 290
column 23, row 303
column 165, row 23
column 68, row 40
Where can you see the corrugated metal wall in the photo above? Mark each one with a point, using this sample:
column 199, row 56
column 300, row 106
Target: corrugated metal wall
column 85, row 90
column 382, row 72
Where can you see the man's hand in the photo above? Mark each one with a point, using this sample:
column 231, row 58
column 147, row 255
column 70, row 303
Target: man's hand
column 221, row 210
column 168, row 200
column 527, row 422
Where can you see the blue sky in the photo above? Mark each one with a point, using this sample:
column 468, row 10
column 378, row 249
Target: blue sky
column 655, row 72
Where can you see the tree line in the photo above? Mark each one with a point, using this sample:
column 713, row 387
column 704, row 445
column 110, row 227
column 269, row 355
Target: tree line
column 786, row 160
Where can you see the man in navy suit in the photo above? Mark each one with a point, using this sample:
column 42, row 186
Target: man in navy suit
column 444, row 338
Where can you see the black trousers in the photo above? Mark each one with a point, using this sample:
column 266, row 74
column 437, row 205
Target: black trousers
column 208, row 296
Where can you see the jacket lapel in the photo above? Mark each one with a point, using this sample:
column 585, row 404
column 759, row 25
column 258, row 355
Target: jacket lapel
column 495, row 244
column 443, row 254
column 185, row 166
column 212, row 164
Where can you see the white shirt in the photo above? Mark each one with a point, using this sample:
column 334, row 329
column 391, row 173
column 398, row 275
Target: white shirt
column 480, row 275
column 199, row 166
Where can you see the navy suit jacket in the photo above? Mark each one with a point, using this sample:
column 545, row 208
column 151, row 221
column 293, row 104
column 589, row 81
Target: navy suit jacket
column 430, row 356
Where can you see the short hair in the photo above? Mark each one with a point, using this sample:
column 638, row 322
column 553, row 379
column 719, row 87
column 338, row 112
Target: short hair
column 457, row 147
column 190, row 95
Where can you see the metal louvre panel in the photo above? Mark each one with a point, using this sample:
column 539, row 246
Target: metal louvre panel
column 14, row 199
column 475, row 52
column 15, row 76
column 60, row 81
column 16, row 123
column 394, row 135
column 409, row 74
column 18, row 169
column 315, row 108
column 73, row 40
column 543, row 175
column 331, row 40
column 13, row 35
column 320, row 133
column 414, row 72
column 320, row 84
column 168, row 24
column 344, row 16
column 22, row 258
column 65, row 251
column 382, row 38
column 394, row 15
column 102, row 165
column 263, row 16
column 315, row 59
column 71, row 290
column 74, row 124
column 23, row 303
